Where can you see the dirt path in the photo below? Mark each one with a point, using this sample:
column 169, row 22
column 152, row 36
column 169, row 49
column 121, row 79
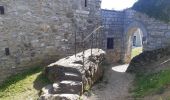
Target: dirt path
column 115, row 85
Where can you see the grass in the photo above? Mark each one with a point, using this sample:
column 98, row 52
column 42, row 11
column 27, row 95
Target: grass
column 136, row 51
column 154, row 83
column 24, row 86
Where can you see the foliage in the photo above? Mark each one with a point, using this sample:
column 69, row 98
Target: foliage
column 158, row 9
column 146, row 84
column 23, row 86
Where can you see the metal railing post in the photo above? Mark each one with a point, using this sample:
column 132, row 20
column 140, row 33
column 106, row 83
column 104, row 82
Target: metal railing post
column 95, row 33
column 75, row 44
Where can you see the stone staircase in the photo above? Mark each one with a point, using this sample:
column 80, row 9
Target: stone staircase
column 71, row 76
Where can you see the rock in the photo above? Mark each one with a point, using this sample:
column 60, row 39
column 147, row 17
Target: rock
column 47, row 89
column 71, row 76
column 59, row 97
column 149, row 61
column 71, row 87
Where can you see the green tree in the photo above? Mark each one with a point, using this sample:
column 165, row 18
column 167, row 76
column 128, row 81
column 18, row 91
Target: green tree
column 159, row 9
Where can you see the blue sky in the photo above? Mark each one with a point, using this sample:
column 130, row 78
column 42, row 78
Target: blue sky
column 117, row 4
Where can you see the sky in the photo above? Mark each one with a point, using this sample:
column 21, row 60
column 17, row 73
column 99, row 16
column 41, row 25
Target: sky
column 117, row 4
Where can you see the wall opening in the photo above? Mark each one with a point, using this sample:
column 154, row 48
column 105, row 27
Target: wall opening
column 85, row 4
column 110, row 43
column 137, row 44
column 134, row 43
column 7, row 52
column 2, row 10
column 133, row 47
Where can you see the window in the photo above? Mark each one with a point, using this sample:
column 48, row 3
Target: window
column 144, row 39
column 7, row 51
column 110, row 43
column 134, row 40
column 2, row 12
column 85, row 4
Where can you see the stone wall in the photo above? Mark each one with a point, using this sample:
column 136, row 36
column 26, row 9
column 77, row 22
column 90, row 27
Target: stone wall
column 154, row 31
column 122, row 25
column 113, row 28
column 36, row 32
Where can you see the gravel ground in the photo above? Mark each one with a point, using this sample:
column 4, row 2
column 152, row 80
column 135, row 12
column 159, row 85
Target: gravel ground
column 114, row 86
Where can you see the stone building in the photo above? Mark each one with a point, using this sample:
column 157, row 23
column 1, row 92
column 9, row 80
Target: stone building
column 35, row 32
column 113, row 22
column 38, row 32
column 120, row 27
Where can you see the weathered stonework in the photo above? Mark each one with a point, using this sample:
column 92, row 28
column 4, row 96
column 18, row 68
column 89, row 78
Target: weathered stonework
column 122, row 25
column 73, row 75
column 113, row 27
column 41, row 31
column 33, row 33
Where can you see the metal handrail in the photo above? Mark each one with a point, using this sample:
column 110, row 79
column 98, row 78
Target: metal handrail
column 91, row 34
column 94, row 32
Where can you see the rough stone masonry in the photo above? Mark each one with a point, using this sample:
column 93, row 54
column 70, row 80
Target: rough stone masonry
column 73, row 75
column 119, row 27
column 33, row 32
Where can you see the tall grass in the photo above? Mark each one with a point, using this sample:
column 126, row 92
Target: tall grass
column 147, row 84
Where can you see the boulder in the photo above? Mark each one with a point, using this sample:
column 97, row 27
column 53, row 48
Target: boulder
column 150, row 61
column 60, row 97
column 73, row 75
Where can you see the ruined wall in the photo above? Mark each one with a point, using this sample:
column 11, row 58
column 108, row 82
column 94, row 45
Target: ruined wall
column 155, row 32
column 113, row 28
column 35, row 32
column 122, row 25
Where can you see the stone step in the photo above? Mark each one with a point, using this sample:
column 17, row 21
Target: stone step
column 47, row 89
column 72, row 76
column 60, row 73
column 59, row 97
column 67, row 86
column 71, row 70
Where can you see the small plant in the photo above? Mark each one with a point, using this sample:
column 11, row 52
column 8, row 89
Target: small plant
column 87, row 87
